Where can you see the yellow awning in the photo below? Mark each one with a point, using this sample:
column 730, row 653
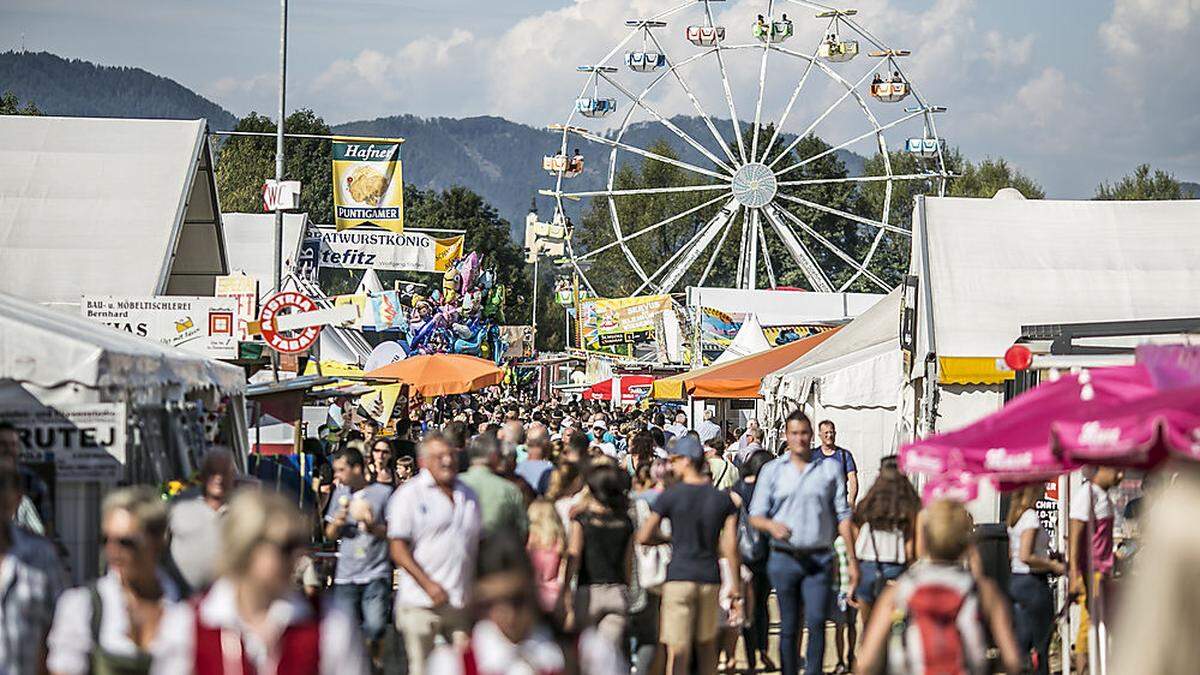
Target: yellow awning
column 971, row 370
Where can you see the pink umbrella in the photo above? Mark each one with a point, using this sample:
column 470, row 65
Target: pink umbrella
column 1106, row 415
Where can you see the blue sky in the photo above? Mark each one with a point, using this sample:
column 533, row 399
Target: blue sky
column 1071, row 91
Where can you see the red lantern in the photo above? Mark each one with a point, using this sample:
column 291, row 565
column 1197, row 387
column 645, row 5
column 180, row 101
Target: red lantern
column 1018, row 357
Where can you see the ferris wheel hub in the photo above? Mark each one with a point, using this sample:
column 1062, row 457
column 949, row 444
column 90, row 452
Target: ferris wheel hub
column 754, row 185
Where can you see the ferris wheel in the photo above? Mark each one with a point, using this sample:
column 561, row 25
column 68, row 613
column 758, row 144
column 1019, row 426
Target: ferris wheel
column 753, row 174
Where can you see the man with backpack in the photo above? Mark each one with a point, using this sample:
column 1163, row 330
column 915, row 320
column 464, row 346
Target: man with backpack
column 840, row 456
column 801, row 504
column 933, row 619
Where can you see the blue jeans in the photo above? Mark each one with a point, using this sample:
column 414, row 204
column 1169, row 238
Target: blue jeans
column 869, row 571
column 802, row 584
column 1033, row 616
column 368, row 603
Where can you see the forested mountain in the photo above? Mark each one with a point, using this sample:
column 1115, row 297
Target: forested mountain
column 58, row 86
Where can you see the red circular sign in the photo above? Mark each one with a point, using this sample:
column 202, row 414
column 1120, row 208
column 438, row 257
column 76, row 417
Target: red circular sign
column 287, row 341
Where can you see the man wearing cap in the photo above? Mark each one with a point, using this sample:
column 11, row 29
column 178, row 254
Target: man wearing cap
column 703, row 529
column 600, row 432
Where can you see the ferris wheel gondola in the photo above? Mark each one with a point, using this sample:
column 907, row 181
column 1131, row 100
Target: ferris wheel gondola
column 753, row 189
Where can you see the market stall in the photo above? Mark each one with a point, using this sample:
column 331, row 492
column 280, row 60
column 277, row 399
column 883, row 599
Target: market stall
column 95, row 407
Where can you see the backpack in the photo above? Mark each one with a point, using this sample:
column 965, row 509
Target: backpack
column 937, row 626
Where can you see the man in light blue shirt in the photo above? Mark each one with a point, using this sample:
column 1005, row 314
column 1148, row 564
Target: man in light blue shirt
column 801, row 504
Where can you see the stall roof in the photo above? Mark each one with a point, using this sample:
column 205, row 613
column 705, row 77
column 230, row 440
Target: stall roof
column 107, row 207
column 875, row 332
column 740, row 378
column 995, row 265
column 783, row 308
column 47, row 348
column 250, row 238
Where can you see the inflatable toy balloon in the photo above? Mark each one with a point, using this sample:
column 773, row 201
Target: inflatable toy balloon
column 468, row 270
column 450, row 280
column 487, row 279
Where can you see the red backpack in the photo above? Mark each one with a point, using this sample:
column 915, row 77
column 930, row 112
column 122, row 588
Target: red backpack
column 936, row 627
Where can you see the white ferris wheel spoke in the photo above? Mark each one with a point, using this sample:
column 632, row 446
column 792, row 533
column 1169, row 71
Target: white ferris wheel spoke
column 766, row 255
column 852, row 141
column 712, row 128
column 861, row 179
column 690, row 252
column 792, row 101
column 800, row 136
column 762, row 85
column 836, row 250
column 867, row 261
column 804, row 259
column 650, row 228
column 741, row 264
column 668, row 123
column 752, row 255
column 603, row 140
column 716, row 251
column 737, row 129
column 638, row 191
column 813, row 5
column 844, row 214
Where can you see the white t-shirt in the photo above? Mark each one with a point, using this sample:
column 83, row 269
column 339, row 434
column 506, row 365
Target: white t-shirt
column 1101, row 504
column 443, row 534
column 885, row 546
column 1041, row 540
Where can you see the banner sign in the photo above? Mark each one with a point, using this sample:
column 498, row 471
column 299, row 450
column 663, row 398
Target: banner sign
column 85, row 442
column 284, row 196
column 207, row 326
column 718, row 329
column 611, row 322
column 367, row 185
column 369, row 248
column 244, row 290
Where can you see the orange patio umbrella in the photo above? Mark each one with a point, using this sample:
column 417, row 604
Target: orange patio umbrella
column 441, row 374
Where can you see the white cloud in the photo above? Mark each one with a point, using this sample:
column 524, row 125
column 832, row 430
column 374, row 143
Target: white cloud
column 258, row 92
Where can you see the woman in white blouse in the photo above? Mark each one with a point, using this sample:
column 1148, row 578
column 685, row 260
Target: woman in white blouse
column 1029, row 587
column 113, row 624
column 885, row 521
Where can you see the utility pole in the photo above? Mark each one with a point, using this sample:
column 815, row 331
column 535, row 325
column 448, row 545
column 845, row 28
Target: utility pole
column 278, row 247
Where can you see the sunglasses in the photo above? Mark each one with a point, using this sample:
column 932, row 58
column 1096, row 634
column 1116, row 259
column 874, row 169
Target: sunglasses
column 127, row 543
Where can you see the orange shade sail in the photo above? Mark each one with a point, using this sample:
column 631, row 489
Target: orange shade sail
column 441, row 374
column 740, row 378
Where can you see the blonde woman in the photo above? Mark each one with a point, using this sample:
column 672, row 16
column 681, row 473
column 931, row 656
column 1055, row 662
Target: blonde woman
column 546, row 546
column 112, row 625
column 253, row 619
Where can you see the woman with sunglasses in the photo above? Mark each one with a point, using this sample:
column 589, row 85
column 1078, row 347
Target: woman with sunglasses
column 113, row 624
column 253, row 619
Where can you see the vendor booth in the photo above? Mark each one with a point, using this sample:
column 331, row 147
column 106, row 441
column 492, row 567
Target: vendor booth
column 95, row 407
column 734, row 386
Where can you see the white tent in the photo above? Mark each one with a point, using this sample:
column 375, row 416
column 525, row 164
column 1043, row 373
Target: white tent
column 107, row 207
column 987, row 267
column 749, row 340
column 54, row 355
column 854, row 379
column 250, row 238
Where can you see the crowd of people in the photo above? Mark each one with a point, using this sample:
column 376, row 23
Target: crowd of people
column 502, row 535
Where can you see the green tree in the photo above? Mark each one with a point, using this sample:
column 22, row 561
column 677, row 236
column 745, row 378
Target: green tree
column 9, row 105
column 1142, row 184
column 246, row 162
column 989, row 177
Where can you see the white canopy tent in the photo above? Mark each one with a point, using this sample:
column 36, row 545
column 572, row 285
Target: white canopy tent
column 107, row 207
column 749, row 340
column 250, row 238
column 987, row 267
column 853, row 379
column 59, row 356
